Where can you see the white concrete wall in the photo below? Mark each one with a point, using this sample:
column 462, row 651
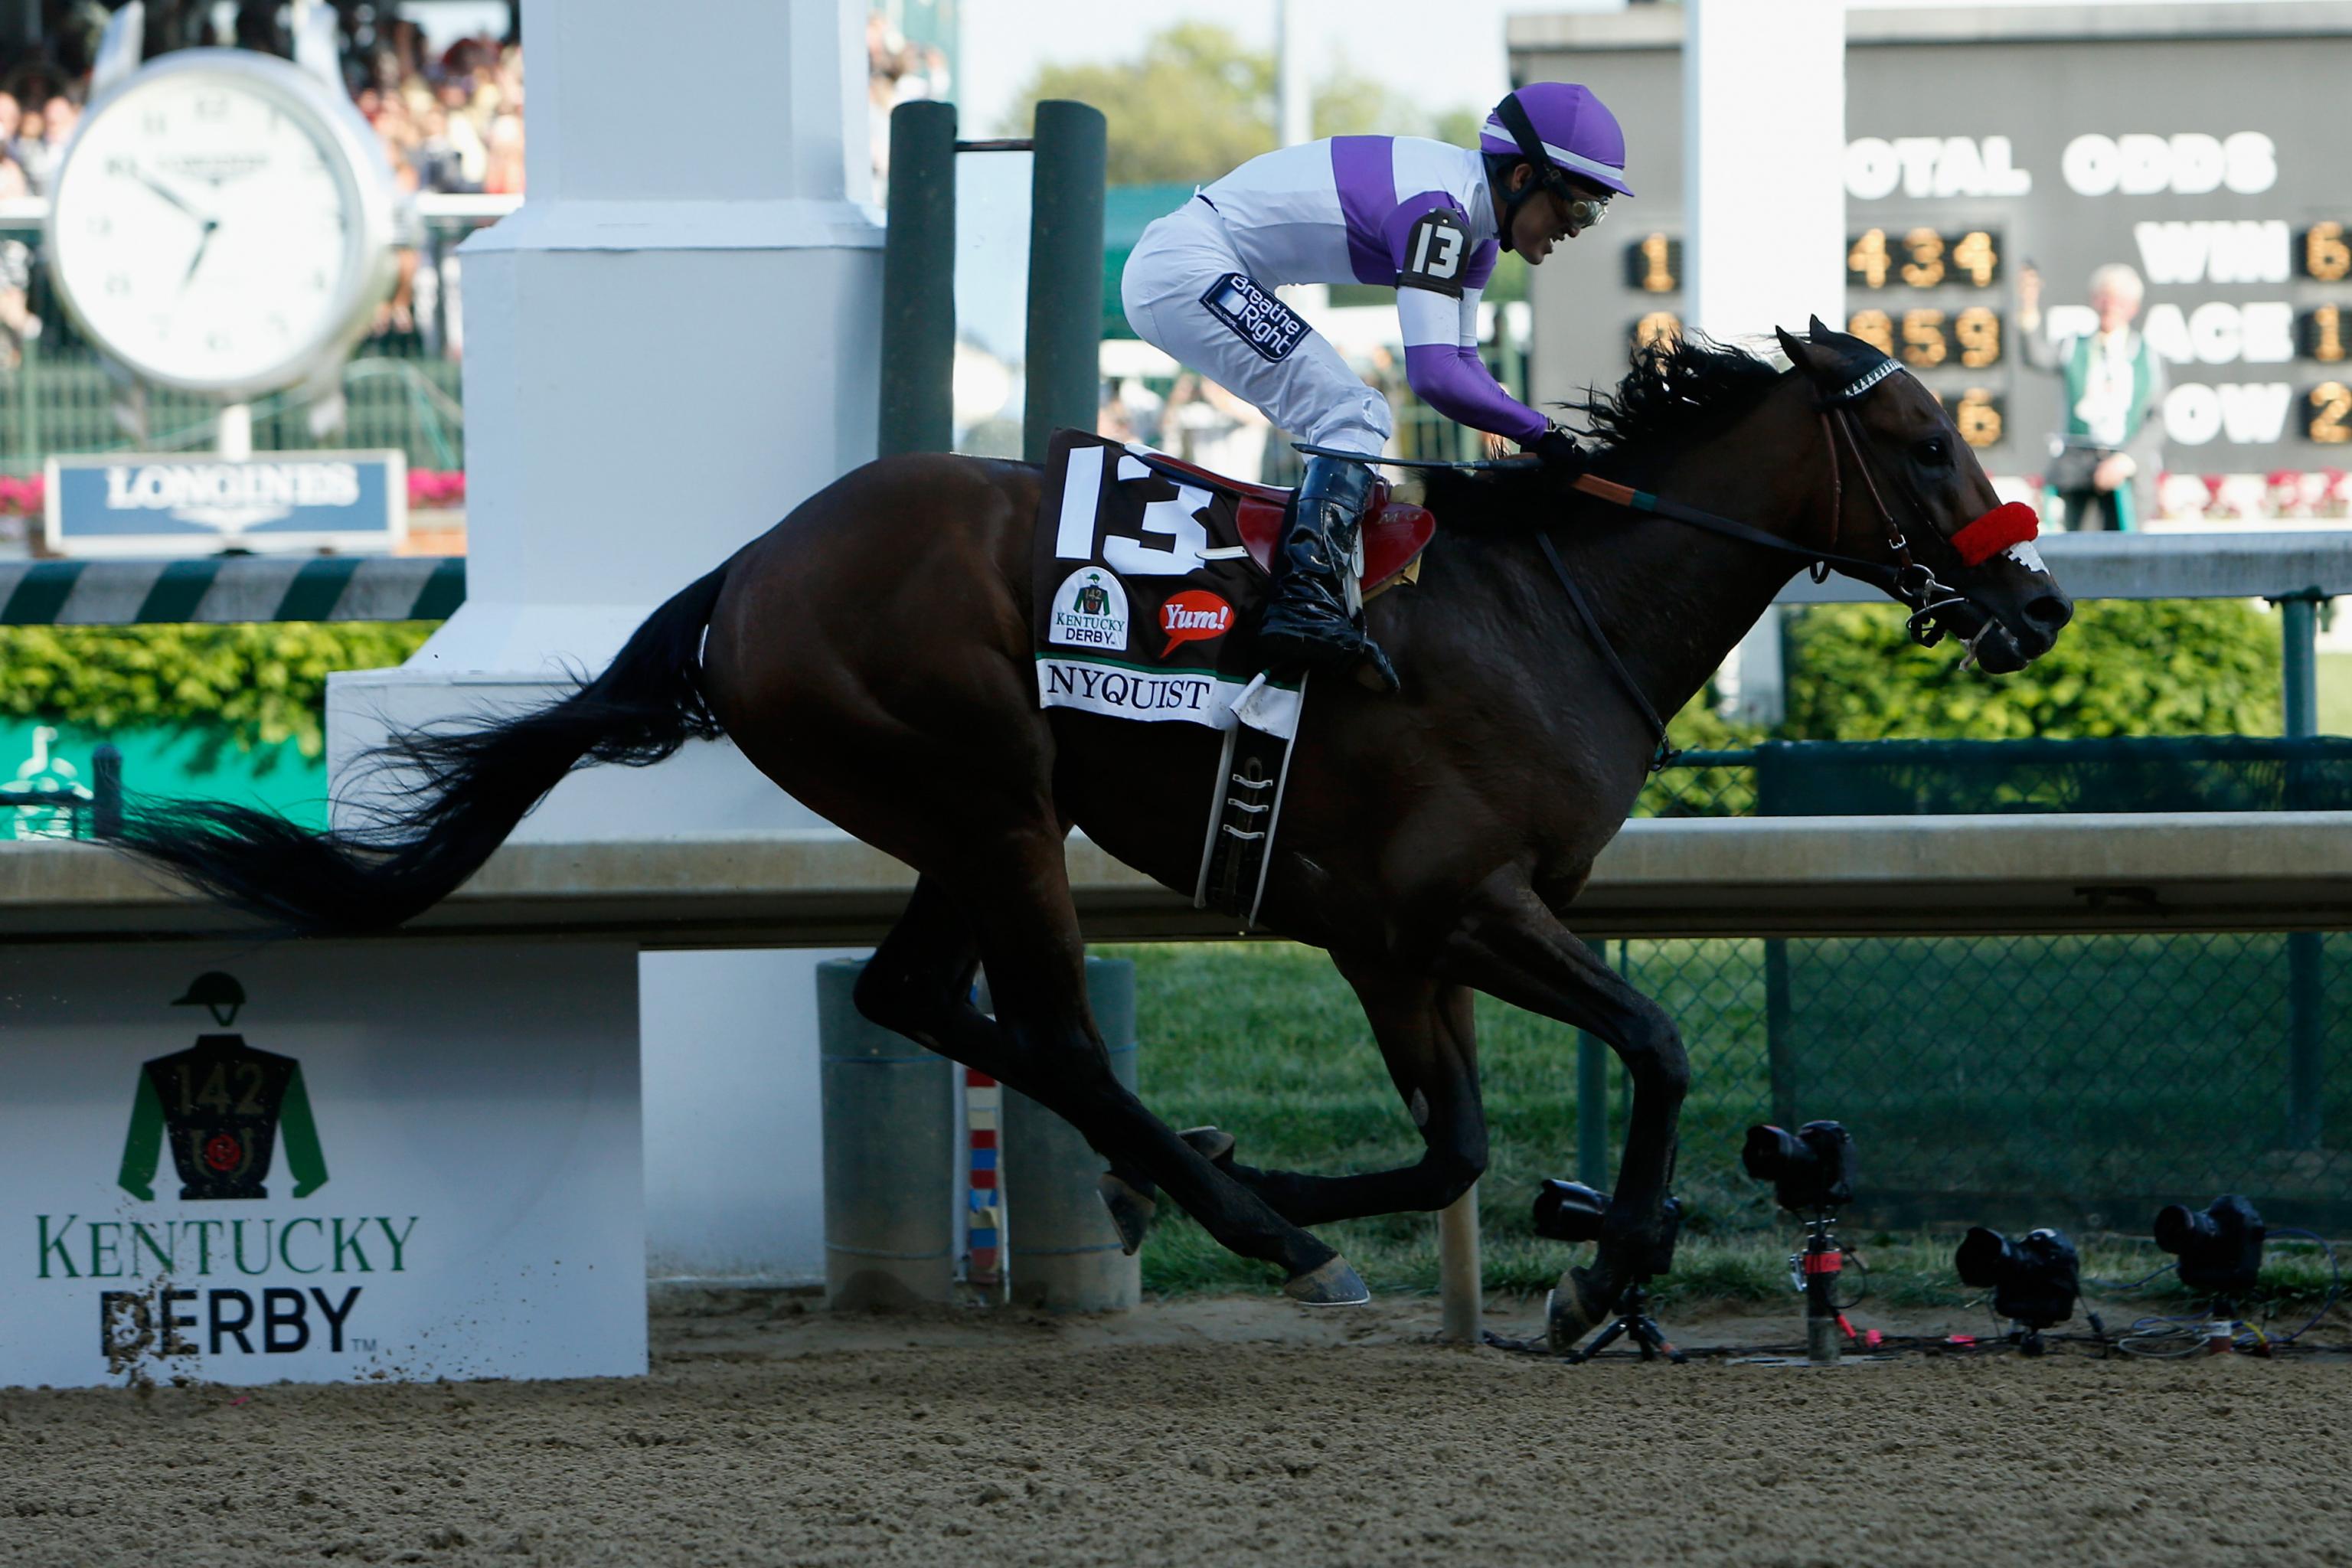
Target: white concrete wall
column 668, row 346
column 734, row 1180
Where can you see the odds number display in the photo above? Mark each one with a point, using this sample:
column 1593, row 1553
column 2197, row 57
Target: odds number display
column 2326, row 253
column 1924, row 258
column 1926, row 337
column 2328, row 408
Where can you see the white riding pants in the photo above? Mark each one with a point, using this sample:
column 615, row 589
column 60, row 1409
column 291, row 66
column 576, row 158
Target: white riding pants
column 1307, row 391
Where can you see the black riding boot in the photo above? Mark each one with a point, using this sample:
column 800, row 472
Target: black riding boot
column 1307, row 623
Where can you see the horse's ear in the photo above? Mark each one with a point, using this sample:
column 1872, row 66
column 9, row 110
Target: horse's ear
column 1818, row 329
column 1801, row 354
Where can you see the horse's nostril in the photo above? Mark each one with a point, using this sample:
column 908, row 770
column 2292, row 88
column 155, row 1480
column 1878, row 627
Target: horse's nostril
column 2050, row 613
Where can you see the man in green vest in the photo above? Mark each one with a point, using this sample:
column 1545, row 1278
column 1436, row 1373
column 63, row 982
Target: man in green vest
column 2103, row 469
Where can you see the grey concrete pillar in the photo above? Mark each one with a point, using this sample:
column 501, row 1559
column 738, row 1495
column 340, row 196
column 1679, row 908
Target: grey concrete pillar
column 889, row 1156
column 1065, row 1249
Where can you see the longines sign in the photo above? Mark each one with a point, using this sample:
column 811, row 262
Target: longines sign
column 194, row 504
column 367, row 1162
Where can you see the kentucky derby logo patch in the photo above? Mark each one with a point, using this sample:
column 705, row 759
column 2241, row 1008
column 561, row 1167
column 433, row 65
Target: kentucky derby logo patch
column 1090, row 611
column 1270, row 327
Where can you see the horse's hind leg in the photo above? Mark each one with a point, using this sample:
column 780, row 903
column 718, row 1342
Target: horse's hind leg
column 1426, row 1036
column 1044, row 1044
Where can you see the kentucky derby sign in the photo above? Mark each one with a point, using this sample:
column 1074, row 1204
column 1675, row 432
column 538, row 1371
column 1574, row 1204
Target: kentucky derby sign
column 320, row 1162
column 197, row 504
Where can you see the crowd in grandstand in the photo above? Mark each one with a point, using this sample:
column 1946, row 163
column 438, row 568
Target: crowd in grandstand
column 32, row 135
column 451, row 121
column 897, row 72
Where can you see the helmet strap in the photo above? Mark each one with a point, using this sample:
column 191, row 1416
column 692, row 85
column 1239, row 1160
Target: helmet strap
column 1548, row 175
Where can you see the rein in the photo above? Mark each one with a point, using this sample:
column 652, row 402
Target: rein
column 1908, row 581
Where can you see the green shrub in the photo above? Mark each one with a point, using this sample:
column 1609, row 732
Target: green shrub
column 2179, row 666
column 256, row 684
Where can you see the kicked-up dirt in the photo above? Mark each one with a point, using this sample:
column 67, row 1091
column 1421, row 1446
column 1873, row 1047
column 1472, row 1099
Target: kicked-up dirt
column 1201, row 1432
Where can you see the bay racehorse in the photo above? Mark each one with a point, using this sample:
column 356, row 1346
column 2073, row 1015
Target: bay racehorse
column 872, row 655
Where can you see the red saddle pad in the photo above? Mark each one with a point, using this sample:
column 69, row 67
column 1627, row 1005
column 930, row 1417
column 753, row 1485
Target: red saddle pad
column 1394, row 538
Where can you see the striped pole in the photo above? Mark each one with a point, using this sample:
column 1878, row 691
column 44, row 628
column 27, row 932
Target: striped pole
column 224, row 589
column 984, row 1220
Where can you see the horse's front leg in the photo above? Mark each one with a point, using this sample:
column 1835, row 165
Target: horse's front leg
column 1512, row 947
column 1428, row 1038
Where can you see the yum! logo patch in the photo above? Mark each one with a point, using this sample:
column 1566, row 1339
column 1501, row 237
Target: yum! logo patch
column 1193, row 615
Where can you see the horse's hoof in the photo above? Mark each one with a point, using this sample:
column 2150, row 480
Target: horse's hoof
column 1130, row 1210
column 1573, row 1310
column 1212, row 1145
column 1330, row 1284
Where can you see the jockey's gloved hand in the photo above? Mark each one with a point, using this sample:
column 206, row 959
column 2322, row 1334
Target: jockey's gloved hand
column 1560, row 453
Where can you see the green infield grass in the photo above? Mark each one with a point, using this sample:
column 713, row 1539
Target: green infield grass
column 1265, row 1041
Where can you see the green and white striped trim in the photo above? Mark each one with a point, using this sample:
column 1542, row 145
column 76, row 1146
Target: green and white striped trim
column 220, row 589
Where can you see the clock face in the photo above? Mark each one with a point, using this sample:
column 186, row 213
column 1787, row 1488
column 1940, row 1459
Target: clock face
column 208, row 228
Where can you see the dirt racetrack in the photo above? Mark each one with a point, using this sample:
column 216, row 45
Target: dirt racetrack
column 1199, row 1431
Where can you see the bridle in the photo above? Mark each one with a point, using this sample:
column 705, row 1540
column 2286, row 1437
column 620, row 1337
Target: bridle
column 1912, row 582
column 1907, row 581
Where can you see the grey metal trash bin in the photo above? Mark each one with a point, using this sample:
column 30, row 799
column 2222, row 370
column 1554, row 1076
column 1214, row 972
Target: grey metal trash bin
column 1064, row 1255
column 888, row 1109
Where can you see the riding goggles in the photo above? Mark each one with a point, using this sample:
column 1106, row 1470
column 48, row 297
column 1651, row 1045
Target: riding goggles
column 1583, row 211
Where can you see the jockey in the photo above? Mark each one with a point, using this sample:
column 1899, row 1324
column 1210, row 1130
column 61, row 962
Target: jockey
column 1423, row 217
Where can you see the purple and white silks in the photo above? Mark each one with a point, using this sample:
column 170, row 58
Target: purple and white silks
column 1344, row 210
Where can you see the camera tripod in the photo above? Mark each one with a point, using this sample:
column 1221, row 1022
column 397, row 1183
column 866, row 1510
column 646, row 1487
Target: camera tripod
column 1815, row 1273
column 1633, row 1321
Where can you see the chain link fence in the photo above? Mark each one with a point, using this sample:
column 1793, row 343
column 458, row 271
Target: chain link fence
column 2015, row 1081
column 2077, row 1081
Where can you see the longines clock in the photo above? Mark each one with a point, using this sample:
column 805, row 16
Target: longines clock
column 222, row 222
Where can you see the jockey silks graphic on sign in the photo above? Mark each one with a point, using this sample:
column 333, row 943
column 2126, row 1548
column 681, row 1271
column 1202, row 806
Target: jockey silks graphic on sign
column 222, row 1104
column 1164, row 553
column 434, row 1173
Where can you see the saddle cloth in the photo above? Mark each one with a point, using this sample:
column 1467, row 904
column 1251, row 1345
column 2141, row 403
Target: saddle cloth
column 1148, row 571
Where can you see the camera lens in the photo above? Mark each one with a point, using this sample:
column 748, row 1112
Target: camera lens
column 1985, row 1257
column 1569, row 1211
column 1772, row 1151
column 2177, row 1228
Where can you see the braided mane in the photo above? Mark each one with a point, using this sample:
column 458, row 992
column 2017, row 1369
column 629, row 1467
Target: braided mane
column 1679, row 389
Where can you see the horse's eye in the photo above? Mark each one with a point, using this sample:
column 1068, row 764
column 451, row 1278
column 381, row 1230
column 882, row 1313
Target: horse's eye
column 1932, row 450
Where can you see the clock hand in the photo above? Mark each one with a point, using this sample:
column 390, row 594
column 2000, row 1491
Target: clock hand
column 170, row 195
column 210, row 224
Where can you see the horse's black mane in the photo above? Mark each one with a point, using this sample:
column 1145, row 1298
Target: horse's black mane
column 1678, row 388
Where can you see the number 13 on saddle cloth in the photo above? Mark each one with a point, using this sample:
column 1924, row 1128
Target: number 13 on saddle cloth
column 1149, row 573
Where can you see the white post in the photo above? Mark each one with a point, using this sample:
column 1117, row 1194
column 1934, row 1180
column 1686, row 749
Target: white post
column 1294, row 112
column 1764, row 177
column 1763, row 164
column 1461, row 1289
column 1760, row 694
column 233, row 431
column 668, row 346
column 1294, row 99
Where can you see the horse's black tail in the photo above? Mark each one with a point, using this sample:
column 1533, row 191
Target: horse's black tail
column 455, row 792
